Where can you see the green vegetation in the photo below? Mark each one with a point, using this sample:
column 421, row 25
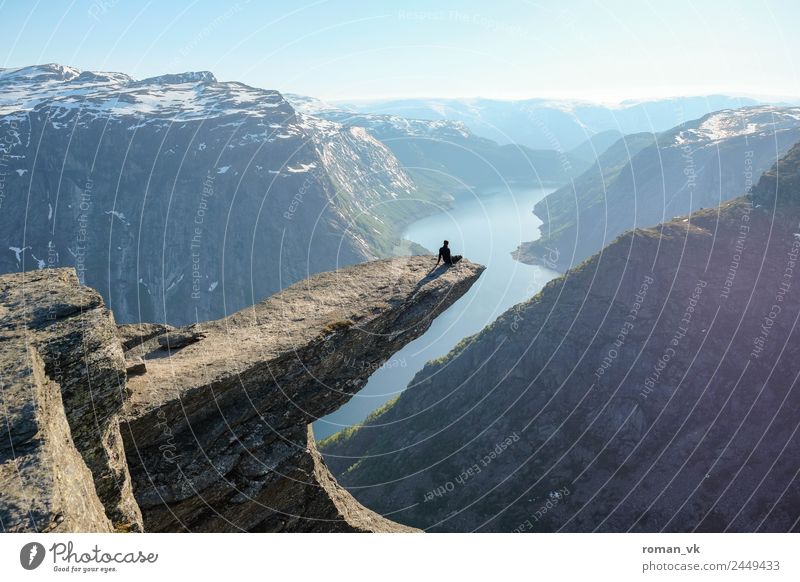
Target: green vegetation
column 343, row 435
column 457, row 349
column 780, row 183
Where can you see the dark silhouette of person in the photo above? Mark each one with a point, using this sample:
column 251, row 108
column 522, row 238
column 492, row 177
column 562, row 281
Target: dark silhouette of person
column 445, row 256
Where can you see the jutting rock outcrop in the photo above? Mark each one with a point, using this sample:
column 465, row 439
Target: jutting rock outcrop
column 215, row 419
column 216, row 432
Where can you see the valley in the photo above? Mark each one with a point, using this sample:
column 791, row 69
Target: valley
column 484, row 228
column 615, row 353
column 651, row 388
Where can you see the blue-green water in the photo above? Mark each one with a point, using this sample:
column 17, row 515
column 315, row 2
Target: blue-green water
column 485, row 230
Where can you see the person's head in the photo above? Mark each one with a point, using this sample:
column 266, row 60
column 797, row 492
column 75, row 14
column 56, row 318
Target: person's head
column 447, row 242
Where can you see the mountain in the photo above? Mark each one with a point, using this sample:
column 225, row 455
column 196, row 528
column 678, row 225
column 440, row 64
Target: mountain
column 182, row 198
column 118, row 441
column 594, row 147
column 652, row 388
column 447, row 155
column 638, row 184
column 554, row 124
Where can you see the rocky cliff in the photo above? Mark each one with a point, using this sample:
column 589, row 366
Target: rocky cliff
column 214, row 417
column 45, row 482
column 73, row 345
column 645, row 180
column 652, row 388
column 447, row 153
column 164, row 193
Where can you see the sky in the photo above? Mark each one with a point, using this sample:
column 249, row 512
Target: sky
column 506, row 49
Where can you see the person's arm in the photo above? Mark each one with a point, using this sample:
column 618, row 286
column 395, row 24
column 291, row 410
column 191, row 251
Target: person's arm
column 439, row 258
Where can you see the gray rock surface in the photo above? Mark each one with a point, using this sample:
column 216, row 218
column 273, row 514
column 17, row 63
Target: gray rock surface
column 216, row 432
column 45, row 485
column 76, row 338
column 135, row 334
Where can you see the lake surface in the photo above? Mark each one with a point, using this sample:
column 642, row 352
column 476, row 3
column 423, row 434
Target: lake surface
column 485, row 230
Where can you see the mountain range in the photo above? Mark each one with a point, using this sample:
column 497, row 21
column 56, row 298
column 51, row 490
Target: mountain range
column 182, row 198
column 448, row 154
column 558, row 124
column 651, row 388
column 646, row 179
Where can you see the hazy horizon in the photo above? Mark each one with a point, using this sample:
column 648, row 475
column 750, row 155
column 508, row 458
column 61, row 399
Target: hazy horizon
column 598, row 52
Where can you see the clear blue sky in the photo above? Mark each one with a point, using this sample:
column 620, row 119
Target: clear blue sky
column 597, row 50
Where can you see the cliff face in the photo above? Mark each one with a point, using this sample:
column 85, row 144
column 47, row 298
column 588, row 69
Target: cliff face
column 642, row 182
column 653, row 388
column 215, row 419
column 163, row 193
column 45, row 482
column 448, row 153
column 72, row 337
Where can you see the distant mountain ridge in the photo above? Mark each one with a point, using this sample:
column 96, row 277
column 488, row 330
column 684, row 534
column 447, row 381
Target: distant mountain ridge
column 552, row 123
column 448, row 153
column 636, row 183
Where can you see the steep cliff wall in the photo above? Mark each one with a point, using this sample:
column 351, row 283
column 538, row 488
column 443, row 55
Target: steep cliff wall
column 216, row 431
column 216, row 416
column 652, row 388
column 164, row 193
column 45, row 483
column 70, row 329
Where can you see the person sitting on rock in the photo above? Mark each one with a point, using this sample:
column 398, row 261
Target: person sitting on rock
column 445, row 256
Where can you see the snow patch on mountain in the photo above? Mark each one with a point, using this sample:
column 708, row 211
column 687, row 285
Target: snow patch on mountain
column 18, row 252
column 379, row 123
column 175, row 98
column 730, row 123
column 119, row 216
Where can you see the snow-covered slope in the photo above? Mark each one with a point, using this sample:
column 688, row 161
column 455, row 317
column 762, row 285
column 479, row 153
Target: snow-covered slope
column 182, row 97
column 381, row 123
column 761, row 121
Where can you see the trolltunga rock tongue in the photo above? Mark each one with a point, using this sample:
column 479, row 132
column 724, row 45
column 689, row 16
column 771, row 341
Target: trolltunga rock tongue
column 216, row 430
